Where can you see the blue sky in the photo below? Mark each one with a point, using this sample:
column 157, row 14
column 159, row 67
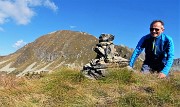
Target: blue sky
column 23, row 21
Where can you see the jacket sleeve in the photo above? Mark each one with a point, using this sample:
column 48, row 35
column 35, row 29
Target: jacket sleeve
column 170, row 57
column 139, row 48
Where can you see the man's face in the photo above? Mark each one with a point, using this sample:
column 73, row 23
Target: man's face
column 156, row 29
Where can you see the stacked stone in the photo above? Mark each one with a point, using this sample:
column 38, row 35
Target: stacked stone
column 106, row 57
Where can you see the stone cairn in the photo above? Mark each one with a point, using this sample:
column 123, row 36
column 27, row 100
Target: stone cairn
column 107, row 57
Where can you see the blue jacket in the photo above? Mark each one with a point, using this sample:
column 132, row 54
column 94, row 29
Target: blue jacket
column 158, row 51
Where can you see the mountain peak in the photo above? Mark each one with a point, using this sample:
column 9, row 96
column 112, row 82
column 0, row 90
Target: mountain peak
column 69, row 47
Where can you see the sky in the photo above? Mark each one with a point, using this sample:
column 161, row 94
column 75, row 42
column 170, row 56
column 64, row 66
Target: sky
column 24, row 21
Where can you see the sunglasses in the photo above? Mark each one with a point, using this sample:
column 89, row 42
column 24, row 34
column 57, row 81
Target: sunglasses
column 156, row 29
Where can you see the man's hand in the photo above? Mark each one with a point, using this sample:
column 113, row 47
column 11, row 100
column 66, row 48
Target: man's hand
column 161, row 75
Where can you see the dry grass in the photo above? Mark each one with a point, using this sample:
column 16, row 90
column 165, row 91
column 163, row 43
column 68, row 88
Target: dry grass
column 17, row 92
column 69, row 88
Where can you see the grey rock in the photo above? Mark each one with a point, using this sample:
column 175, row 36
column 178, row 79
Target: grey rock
column 107, row 57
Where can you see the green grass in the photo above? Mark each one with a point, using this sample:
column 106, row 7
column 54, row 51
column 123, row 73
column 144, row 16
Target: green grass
column 69, row 88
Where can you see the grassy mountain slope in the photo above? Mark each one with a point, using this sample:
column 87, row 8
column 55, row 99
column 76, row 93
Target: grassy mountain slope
column 68, row 88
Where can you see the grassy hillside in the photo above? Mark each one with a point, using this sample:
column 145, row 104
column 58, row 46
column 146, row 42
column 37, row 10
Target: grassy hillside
column 68, row 88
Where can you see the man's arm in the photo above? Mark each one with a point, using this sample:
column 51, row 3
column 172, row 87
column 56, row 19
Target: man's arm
column 170, row 57
column 139, row 48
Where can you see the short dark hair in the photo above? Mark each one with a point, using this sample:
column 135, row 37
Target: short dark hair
column 157, row 21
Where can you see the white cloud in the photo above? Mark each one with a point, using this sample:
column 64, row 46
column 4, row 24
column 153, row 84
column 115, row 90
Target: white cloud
column 21, row 11
column 34, row 2
column 72, row 27
column 1, row 29
column 51, row 5
column 19, row 44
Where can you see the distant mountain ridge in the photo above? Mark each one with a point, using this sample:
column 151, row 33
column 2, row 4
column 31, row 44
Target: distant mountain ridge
column 176, row 62
column 176, row 65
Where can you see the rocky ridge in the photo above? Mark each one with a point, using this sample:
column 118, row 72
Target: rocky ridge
column 176, row 65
